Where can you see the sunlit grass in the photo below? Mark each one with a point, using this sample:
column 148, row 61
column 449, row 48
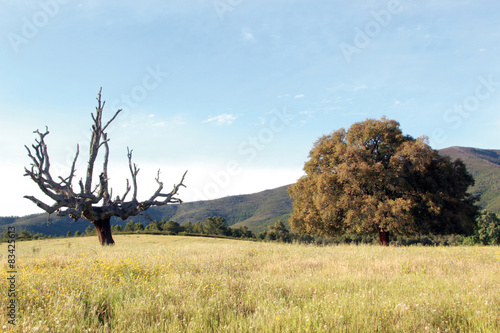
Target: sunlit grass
column 170, row 284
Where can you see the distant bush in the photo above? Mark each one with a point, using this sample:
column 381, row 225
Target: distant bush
column 488, row 229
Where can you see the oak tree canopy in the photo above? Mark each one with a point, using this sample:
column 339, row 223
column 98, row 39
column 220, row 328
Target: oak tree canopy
column 372, row 178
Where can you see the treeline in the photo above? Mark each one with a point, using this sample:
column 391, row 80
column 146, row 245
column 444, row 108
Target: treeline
column 24, row 235
column 213, row 226
column 487, row 233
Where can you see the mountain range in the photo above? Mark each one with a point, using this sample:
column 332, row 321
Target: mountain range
column 258, row 210
column 484, row 165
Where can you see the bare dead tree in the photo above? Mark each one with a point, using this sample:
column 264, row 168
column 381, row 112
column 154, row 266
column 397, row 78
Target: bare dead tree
column 92, row 199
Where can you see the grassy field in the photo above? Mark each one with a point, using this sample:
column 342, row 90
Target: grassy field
column 177, row 284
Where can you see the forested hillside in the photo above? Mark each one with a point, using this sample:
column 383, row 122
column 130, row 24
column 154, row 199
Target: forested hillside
column 484, row 165
column 257, row 211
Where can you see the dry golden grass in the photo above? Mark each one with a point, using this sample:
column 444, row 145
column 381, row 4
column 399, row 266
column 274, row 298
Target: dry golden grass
column 180, row 284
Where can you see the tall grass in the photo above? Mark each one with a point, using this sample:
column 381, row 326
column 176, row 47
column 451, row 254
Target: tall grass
column 178, row 284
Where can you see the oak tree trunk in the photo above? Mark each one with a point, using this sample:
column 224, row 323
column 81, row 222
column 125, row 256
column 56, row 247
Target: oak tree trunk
column 103, row 228
column 383, row 238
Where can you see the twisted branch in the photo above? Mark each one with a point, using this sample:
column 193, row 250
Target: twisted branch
column 67, row 201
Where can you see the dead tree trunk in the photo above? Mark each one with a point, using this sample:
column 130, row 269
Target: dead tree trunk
column 103, row 229
column 92, row 198
column 383, row 238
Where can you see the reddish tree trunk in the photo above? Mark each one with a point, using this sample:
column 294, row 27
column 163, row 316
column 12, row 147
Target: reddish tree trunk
column 383, row 238
column 103, row 228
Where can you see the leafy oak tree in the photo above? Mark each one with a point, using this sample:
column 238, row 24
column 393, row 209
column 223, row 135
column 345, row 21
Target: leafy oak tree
column 372, row 178
column 278, row 232
column 215, row 225
column 92, row 198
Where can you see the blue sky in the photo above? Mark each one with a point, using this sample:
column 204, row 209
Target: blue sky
column 237, row 91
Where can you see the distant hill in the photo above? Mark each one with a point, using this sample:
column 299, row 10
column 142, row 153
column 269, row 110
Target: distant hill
column 484, row 165
column 35, row 223
column 258, row 210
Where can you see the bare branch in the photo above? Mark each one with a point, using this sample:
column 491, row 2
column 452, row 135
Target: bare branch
column 42, row 205
column 73, row 166
column 98, row 134
column 146, row 215
column 82, row 190
column 126, row 192
column 104, row 192
column 133, row 171
column 169, row 197
column 35, row 161
column 40, row 170
column 133, row 208
column 91, row 196
column 69, row 180
column 113, row 118
column 75, row 214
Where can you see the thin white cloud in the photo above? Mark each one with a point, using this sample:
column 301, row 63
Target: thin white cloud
column 222, row 119
column 308, row 113
column 404, row 102
column 247, row 35
column 360, row 87
column 349, row 87
column 299, row 96
column 176, row 121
